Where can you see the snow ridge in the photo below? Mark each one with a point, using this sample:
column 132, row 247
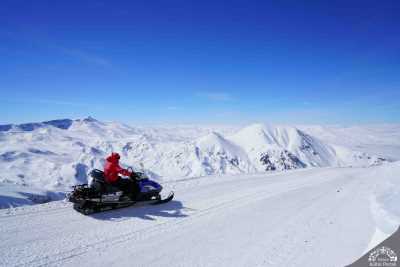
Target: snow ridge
column 57, row 154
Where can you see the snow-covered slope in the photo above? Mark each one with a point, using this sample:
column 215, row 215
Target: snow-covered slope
column 13, row 195
column 307, row 217
column 218, row 155
column 283, row 147
column 382, row 140
column 318, row 208
column 54, row 155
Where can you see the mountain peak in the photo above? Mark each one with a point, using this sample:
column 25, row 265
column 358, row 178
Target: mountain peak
column 260, row 134
column 89, row 119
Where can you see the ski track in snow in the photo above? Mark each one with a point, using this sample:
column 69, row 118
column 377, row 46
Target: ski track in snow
column 312, row 217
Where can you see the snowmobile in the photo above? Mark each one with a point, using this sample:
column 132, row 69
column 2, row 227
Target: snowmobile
column 100, row 196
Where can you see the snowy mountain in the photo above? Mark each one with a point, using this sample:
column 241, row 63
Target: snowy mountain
column 317, row 206
column 282, row 148
column 54, row 155
column 62, row 124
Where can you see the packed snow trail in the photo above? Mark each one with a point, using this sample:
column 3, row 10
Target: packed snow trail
column 313, row 217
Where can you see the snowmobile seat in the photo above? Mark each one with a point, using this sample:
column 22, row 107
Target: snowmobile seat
column 99, row 183
column 97, row 176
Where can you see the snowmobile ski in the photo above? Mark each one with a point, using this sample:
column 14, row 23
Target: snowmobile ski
column 88, row 207
column 165, row 200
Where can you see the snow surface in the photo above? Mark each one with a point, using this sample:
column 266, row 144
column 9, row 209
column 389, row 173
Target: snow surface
column 55, row 155
column 306, row 217
column 12, row 195
column 262, row 195
column 381, row 140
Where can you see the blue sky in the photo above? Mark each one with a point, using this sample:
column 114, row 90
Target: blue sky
column 201, row 61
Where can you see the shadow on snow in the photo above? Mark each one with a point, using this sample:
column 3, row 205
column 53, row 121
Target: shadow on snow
column 173, row 209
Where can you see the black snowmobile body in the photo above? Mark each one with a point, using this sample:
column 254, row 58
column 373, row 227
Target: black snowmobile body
column 100, row 196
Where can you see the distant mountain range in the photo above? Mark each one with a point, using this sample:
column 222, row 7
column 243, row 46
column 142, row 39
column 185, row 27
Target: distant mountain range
column 62, row 124
column 57, row 154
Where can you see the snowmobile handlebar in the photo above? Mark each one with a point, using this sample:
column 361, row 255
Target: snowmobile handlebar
column 134, row 175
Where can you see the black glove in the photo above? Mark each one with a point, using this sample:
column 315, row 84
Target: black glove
column 134, row 176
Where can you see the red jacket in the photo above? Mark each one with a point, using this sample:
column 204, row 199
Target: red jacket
column 112, row 169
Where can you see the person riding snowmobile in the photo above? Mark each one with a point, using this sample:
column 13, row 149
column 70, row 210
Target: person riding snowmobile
column 112, row 169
